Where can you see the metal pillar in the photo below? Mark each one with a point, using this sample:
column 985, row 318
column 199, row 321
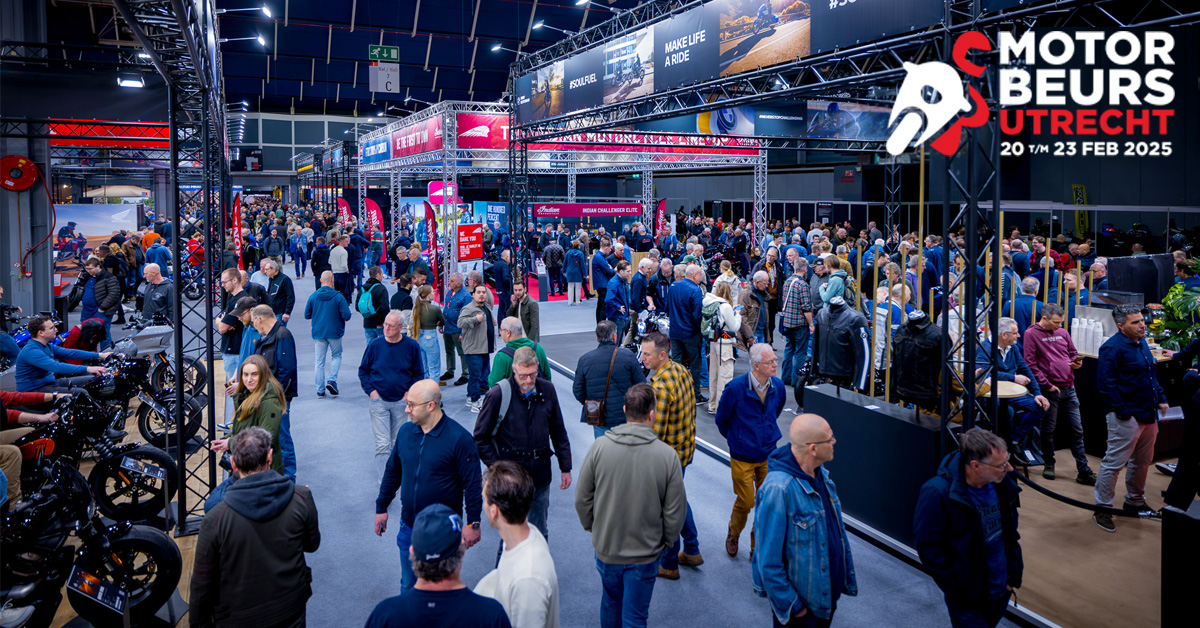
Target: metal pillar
column 521, row 192
column 648, row 199
column 572, row 184
column 449, row 195
column 891, row 197
column 760, row 199
column 394, row 189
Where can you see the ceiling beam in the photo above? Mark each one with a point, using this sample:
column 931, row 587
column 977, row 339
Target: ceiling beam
column 416, row 15
column 474, row 21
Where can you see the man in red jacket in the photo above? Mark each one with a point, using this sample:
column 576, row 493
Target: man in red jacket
column 1052, row 357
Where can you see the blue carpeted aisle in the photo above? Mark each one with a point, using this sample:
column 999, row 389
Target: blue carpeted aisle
column 354, row 569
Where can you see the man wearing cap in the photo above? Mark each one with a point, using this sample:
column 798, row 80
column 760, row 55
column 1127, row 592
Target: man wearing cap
column 434, row 461
column 439, row 597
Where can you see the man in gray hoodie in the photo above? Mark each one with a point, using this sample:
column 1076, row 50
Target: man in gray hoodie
column 631, row 498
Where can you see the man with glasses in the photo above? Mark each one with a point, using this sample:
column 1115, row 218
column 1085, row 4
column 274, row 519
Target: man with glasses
column 230, row 326
column 389, row 368
column 40, row 362
column 434, row 461
column 746, row 416
column 797, row 487
column 520, row 420
column 966, row 530
column 1030, row 407
column 1051, row 355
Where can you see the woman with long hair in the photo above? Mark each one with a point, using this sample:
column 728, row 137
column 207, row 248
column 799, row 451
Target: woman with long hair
column 259, row 400
column 729, row 278
column 718, row 304
column 426, row 318
column 129, row 251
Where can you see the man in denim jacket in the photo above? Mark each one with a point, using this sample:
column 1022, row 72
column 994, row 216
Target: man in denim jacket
column 802, row 563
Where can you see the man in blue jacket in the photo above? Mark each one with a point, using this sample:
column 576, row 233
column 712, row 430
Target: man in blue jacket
column 966, row 530
column 1027, row 309
column 602, row 273
column 278, row 348
column 746, row 417
column 328, row 311
column 1029, row 408
column 1132, row 399
column 457, row 298
column 159, row 254
column 39, row 361
column 389, row 367
column 802, row 573
column 616, row 299
column 685, row 305
column 502, row 275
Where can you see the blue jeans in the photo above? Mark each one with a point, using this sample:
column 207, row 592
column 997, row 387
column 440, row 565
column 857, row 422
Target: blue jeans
column 301, row 260
column 794, row 354
column 287, row 449
column 431, row 353
column 404, row 540
column 320, row 346
column 704, row 365
column 691, row 541
column 1027, row 415
column 107, row 316
column 627, row 592
column 230, row 361
column 686, row 351
column 987, row 616
column 372, row 333
column 478, row 370
column 217, row 495
column 759, row 336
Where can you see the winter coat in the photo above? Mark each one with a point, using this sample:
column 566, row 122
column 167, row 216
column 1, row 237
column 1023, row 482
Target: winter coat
column 591, row 373
column 107, row 290
column 526, row 433
column 328, row 311
column 379, row 297
column 281, row 295
column 575, row 266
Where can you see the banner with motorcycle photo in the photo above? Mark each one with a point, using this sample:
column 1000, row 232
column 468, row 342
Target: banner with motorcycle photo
column 720, row 38
column 84, row 228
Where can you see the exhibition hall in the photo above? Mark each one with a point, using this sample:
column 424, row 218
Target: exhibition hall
column 305, row 303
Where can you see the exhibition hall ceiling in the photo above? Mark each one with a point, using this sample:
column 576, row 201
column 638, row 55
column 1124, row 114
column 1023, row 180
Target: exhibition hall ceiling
column 315, row 56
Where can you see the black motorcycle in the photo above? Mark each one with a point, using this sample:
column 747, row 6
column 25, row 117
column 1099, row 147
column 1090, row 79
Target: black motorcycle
column 86, row 425
column 153, row 338
column 129, row 377
column 141, row 561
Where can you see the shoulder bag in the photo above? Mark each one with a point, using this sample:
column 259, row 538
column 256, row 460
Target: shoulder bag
column 593, row 409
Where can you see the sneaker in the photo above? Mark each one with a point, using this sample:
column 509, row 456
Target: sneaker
column 17, row 616
column 668, row 574
column 332, row 388
column 700, row 398
column 474, row 407
column 1086, row 477
column 320, row 394
column 1166, row 468
column 1104, row 521
column 460, row 381
column 1142, row 510
column 443, row 382
column 1048, row 472
column 691, row 560
column 731, row 544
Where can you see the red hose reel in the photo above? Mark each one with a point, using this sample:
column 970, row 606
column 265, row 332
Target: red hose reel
column 17, row 173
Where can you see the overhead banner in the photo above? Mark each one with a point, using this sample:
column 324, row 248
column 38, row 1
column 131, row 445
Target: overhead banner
column 683, row 49
column 844, row 23
column 585, row 210
column 584, row 79
column 756, row 34
column 420, row 137
column 492, row 212
column 481, row 130
column 375, row 151
column 847, row 120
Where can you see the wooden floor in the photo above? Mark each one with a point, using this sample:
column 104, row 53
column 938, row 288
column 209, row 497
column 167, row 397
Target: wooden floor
column 1079, row 575
column 187, row 544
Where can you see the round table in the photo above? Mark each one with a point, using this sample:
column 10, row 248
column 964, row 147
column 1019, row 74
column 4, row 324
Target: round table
column 1005, row 390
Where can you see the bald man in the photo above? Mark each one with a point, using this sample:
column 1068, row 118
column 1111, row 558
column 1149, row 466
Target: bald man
column 797, row 488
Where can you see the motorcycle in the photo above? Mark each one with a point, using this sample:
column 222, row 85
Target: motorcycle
column 648, row 322
column 21, row 334
column 130, row 376
column 142, row 561
column 764, row 22
column 153, row 338
column 85, row 424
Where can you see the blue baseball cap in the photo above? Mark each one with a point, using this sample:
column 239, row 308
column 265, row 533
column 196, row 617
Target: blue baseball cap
column 436, row 534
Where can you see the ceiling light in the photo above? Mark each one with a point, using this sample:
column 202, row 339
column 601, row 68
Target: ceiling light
column 143, row 55
column 261, row 41
column 539, row 24
column 130, row 79
column 496, row 48
column 266, row 10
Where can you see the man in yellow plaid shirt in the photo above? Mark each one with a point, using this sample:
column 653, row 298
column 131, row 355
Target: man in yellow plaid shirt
column 675, row 425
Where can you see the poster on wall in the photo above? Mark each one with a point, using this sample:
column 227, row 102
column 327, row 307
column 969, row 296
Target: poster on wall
column 847, row 120
column 492, row 212
column 85, row 227
column 524, row 98
column 844, row 23
column 547, row 97
column 685, row 49
column 584, row 80
column 629, row 66
column 756, row 34
column 470, row 242
column 376, row 150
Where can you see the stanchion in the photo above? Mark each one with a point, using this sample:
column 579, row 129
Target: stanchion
column 921, row 233
column 858, row 280
column 887, row 342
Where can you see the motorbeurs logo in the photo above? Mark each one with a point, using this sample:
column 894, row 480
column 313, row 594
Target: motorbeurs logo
column 1064, row 84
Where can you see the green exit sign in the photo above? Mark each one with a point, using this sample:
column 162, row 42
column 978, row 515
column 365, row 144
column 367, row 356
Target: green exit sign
column 384, row 53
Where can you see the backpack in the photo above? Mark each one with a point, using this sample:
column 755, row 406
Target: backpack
column 711, row 324
column 366, row 304
column 505, row 401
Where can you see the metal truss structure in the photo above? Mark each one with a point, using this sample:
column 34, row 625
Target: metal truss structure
column 179, row 39
column 892, row 198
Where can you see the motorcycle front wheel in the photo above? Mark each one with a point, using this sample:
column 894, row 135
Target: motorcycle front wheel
column 160, row 429
column 143, row 561
column 193, row 290
column 127, row 496
column 195, row 376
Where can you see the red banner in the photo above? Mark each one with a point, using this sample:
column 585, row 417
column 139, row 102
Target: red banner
column 660, row 218
column 478, row 130
column 374, row 217
column 237, row 228
column 343, row 211
column 585, row 210
column 431, row 235
column 421, row 137
column 109, row 133
column 470, row 242
column 641, row 142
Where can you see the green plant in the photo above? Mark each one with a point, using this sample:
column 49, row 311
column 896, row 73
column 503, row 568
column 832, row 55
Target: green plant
column 1181, row 309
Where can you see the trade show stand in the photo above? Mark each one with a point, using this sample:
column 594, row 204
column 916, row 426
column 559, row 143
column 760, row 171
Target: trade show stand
column 883, row 455
column 1091, row 408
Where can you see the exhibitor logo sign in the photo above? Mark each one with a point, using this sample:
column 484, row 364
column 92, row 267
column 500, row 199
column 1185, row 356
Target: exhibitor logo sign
column 1060, row 93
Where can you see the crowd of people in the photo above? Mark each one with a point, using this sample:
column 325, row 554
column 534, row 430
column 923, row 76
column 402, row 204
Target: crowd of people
column 639, row 390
